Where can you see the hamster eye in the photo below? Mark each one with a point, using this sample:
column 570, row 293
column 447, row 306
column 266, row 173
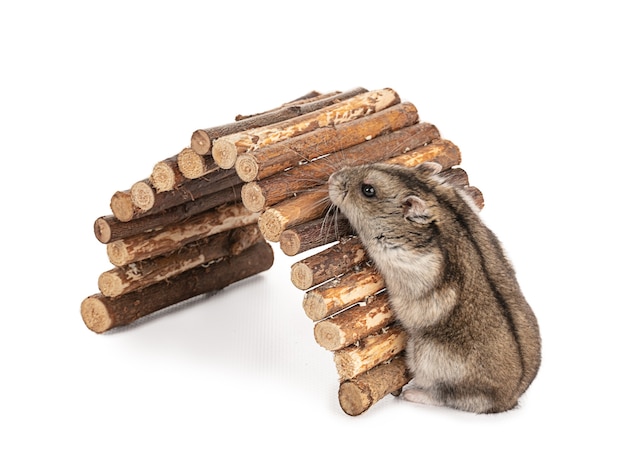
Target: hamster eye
column 368, row 190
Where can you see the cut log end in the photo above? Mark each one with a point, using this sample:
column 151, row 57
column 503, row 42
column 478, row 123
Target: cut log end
column 301, row 276
column 354, row 400
column 102, row 230
column 329, row 335
column 224, row 153
column 117, row 253
column 191, row 164
column 122, row 206
column 142, row 195
column 163, row 177
column 247, row 168
column 201, row 142
column 314, row 306
column 95, row 315
column 272, row 224
column 110, row 285
column 252, row 197
column 290, row 243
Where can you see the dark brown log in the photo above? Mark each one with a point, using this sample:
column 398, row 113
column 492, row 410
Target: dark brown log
column 201, row 140
column 124, row 279
column 332, row 262
column 258, row 195
column 359, row 394
column 108, row 229
column 354, row 324
column 172, row 237
column 227, row 148
column 369, row 352
column 313, row 234
column 272, row 159
column 102, row 313
column 332, row 297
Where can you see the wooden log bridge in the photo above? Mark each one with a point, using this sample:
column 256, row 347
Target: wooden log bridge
column 202, row 219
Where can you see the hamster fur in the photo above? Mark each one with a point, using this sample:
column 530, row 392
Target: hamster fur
column 473, row 340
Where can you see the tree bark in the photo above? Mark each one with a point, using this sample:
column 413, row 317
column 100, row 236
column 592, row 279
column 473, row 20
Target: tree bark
column 359, row 394
column 227, row 148
column 257, row 195
column 201, row 140
column 272, row 159
column 134, row 276
column 102, row 313
column 333, row 296
column 369, row 352
column 354, row 324
column 148, row 245
column 327, row 264
column 313, row 234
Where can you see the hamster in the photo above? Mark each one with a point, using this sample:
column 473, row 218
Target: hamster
column 473, row 340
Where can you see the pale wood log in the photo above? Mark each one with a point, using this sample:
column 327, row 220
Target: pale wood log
column 309, row 235
column 193, row 165
column 122, row 206
column 165, row 175
column 134, row 276
column 201, row 139
column 443, row 152
column 272, row 159
column 357, row 395
column 102, row 313
column 307, row 206
column 227, row 148
column 329, row 263
column 336, row 295
column 148, row 245
column 142, row 195
column 355, row 323
column 108, row 228
column 369, row 352
column 257, row 195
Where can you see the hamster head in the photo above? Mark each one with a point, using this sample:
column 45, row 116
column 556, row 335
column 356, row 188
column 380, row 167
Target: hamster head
column 389, row 206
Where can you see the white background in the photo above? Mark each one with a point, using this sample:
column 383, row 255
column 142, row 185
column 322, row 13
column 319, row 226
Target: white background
column 94, row 93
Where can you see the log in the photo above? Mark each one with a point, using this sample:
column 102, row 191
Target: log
column 227, row 148
column 102, row 313
column 354, row 324
column 313, row 234
column 134, row 276
column 369, row 352
column 201, row 139
column 272, row 159
column 257, row 195
column 336, row 295
column 360, row 393
column 148, row 245
column 165, row 175
column 327, row 264
column 142, row 195
column 108, row 229
column 307, row 206
column 193, row 165
column 443, row 152
column 122, row 206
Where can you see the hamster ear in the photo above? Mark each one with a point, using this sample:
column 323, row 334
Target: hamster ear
column 427, row 169
column 415, row 210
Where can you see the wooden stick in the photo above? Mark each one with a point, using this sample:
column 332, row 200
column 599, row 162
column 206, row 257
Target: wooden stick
column 193, row 165
column 134, row 276
column 266, row 161
column 227, row 148
column 354, row 324
column 443, row 152
column 369, row 352
column 335, row 296
column 359, row 394
column 329, row 263
column 165, row 175
column 148, row 245
column 258, row 195
column 122, row 206
column 201, row 140
column 307, row 206
column 102, row 313
column 108, row 229
column 313, row 234
column 142, row 195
